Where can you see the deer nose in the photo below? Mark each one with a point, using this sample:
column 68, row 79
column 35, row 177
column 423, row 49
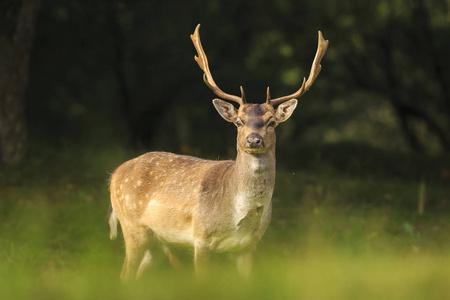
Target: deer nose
column 254, row 140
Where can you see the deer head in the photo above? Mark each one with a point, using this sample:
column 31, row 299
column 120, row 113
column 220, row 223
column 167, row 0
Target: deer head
column 256, row 122
column 212, row 206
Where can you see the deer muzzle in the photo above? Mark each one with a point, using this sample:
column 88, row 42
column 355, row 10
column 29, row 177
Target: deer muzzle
column 254, row 141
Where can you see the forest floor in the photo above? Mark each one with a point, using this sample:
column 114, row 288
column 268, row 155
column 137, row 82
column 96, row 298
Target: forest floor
column 336, row 233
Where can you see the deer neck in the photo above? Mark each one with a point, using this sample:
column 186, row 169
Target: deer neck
column 253, row 183
column 252, row 169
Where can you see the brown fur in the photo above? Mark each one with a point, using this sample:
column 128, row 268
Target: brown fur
column 212, row 206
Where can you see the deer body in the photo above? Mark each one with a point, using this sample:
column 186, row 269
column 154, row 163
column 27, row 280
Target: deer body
column 211, row 206
column 185, row 200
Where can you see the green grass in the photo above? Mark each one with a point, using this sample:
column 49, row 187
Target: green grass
column 334, row 235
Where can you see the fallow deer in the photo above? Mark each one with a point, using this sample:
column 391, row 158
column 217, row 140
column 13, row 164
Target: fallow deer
column 212, row 206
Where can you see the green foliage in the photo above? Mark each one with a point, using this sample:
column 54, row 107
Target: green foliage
column 333, row 235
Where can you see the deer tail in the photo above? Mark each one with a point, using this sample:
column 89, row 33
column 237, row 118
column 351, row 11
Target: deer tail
column 112, row 221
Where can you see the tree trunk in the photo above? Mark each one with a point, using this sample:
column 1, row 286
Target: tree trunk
column 17, row 22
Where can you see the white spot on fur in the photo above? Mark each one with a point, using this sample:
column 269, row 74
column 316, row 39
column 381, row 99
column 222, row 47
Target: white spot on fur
column 139, row 183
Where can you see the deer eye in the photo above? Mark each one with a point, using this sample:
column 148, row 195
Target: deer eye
column 272, row 124
column 239, row 123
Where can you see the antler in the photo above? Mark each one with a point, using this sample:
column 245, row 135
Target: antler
column 207, row 77
column 306, row 85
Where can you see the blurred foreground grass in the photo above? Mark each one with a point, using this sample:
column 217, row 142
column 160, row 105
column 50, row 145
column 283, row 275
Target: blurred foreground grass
column 335, row 234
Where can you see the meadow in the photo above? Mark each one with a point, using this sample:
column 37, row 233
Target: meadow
column 343, row 227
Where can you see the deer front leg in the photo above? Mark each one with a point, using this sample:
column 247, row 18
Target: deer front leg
column 201, row 259
column 244, row 262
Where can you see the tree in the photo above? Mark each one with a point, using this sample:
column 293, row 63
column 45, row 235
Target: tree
column 17, row 22
column 397, row 52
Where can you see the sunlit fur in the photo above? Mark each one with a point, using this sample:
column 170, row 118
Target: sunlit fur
column 212, row 206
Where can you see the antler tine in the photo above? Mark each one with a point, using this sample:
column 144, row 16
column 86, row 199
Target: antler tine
column 202, row 61
column 268, row 96
column 315, row 70
column 243, row 95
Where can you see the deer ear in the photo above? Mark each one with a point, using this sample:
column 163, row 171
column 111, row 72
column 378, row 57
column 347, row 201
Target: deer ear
column 226, row 110
column 285, row 110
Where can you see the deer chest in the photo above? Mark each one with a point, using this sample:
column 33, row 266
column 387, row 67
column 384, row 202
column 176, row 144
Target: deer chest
column 249, row 223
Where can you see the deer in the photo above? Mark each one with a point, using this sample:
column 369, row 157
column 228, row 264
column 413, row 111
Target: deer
column 210, row 206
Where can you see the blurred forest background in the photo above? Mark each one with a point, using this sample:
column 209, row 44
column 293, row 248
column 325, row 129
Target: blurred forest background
column 103, row 73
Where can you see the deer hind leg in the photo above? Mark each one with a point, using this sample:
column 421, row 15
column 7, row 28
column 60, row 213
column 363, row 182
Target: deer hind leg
column 137, row 253
column 145, row 263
